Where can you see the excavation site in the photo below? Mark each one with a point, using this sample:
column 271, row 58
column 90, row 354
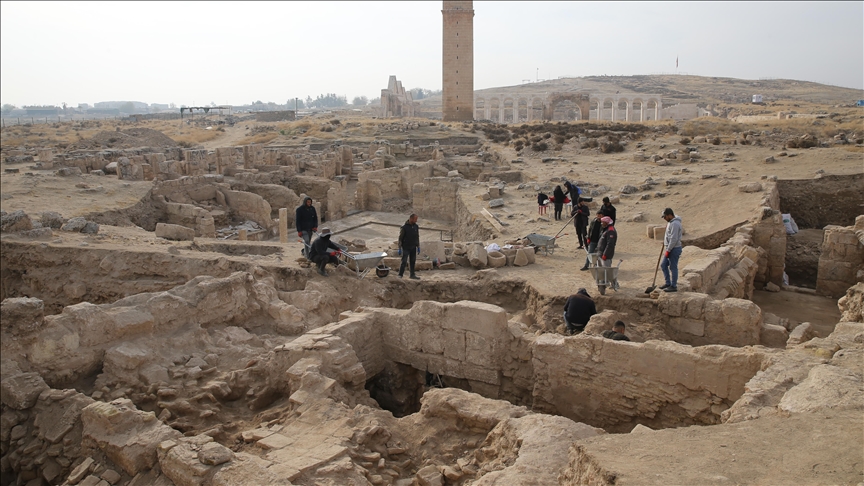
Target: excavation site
column 603, row 280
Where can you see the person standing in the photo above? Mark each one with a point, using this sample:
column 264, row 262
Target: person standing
column 594, row 231
column 673, row 247
column 319, row 251
column 306, row 220
column 606, row 245
column 558, row 195
column 409, row 246
column 608, row 209
column 581, row 213
column 578, row 311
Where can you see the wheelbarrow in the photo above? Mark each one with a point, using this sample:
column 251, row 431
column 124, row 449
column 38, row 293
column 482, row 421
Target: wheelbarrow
column 363, row 263
column 546, row 243
column 604, row 276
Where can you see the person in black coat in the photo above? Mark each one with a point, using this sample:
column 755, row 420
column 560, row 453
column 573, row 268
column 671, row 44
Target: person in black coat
column 409, row 246
column 306, row 220
column 578, row 311
column 320, row 251
column 581, row 213
column 594, row 231
column 608, row 209
column 558, row 194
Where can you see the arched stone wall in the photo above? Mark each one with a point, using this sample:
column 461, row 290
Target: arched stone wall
column 502, row 108
column 579, row 99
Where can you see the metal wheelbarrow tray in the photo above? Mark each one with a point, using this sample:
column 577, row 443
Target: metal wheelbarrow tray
column 547, row 243
column 361, row 263
column 604, row 276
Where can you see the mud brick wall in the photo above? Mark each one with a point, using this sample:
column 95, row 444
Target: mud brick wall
column 841, row 264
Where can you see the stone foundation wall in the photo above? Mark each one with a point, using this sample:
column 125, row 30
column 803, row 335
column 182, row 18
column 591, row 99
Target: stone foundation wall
column 728, row 271
column 841, row 264
column 664, row 384
column 619, row 384
column 191, row 217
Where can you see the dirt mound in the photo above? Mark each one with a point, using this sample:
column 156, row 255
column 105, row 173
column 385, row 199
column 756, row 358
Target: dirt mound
column 131, row 138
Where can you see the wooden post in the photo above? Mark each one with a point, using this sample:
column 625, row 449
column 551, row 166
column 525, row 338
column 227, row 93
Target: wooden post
column 283, row 225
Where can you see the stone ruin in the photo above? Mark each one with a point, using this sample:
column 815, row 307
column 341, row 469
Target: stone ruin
column 209, row 362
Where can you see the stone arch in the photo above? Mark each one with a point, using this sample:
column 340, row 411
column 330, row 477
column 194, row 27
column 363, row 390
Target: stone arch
column 607, row 109
column 508, row 111
column 566, row 110
column 636, row 109
column 622, row 109
column 580, row 100
column 651, row 110
column 522, row 110
column 479, row 108
column 537, row 108
column 494, row 108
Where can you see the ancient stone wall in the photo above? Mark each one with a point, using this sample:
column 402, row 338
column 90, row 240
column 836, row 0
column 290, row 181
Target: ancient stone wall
column 436, row 198
column 191, row 216
column 249, row 206
column 727, row 271
column 667, row 384
column 619, row 384
column 841, row 263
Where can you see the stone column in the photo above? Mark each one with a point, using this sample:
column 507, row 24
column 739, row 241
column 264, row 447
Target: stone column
column 241, row 235
column 283, row 225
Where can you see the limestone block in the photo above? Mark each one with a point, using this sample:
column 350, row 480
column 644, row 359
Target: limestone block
column 825, row 388
column 213, row 454
column 461, row 260
column 126, row 435
column 174, row 232
column 483, row 319
column 521, row 258
column 773, row 336
column 531, row 255
column 659, row 232
column 21, row 315
column 749, row 187
column 496, row 203
column 477, row 256
column 20, row 391
column 510, row 255
column 430, row 476
column 126, row 356
column 802, row 333
column 496, row 259
column 433, row 249
column 179, row 460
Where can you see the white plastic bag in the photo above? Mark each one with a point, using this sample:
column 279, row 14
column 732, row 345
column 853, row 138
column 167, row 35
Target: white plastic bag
column 493, row 247
column 789, row 223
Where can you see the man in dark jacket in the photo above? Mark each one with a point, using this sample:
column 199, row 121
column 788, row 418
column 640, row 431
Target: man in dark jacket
column 578, row 310
column 306, row 220
column 616, row 333
column 409, row 246
column 581, row 213
column 323, row 251
column 606, row 246
column 608, row 209
column 594, row 231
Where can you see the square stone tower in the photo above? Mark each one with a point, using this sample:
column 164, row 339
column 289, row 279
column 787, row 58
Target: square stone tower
column 458, row 61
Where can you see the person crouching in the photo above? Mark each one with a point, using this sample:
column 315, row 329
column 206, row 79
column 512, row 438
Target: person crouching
column 324, row 251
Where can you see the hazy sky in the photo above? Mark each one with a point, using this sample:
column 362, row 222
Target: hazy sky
column 237, row 53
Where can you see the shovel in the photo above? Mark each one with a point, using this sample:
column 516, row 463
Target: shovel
column 654, row 283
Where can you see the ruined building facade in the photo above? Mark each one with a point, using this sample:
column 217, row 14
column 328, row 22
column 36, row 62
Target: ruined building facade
column 458, row 62
column 396, row 101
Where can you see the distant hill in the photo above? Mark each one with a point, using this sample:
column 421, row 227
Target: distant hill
column 702, row 90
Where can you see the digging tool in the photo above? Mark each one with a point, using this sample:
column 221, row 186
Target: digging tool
column 654, row 283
